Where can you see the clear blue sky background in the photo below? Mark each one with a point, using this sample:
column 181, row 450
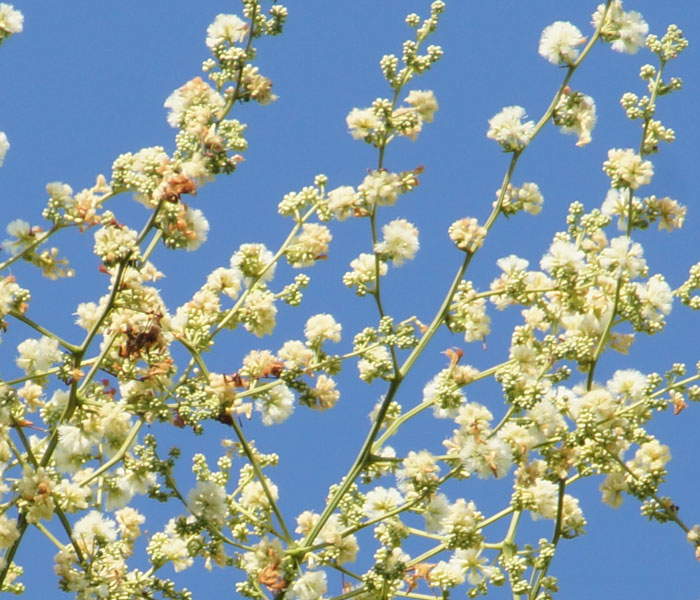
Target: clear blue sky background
column 86, row 81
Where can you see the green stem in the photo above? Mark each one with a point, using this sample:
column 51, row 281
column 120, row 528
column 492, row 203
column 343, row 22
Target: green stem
column 541, row 572
column 152, row 245
column 357, row 466
column 229, row 104
column 108, row 308
column 409, row 414
column 669, row 513
column 69, row 531
column 27, row 321
column 618, row 287
column 120, row 454
column 262, row 478
column 40, row 239
column 248, row 452
column 41, row 527
column 426, row 555
column 280, row 252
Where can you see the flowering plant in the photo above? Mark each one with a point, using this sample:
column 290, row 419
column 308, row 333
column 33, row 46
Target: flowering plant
column 85, row 425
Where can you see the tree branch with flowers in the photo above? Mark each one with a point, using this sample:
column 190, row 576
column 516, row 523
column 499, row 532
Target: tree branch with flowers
column 89, row 426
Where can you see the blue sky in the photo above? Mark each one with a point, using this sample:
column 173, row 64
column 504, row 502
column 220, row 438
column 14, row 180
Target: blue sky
column 86, row 81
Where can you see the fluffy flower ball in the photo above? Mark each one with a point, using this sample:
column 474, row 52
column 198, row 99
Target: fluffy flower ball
column 559, row 43
column 226, row 28
column 508, row 129
column 627, row 169
column 322, row 327
column 424, row 102
column 11, row 20
column 400, row 241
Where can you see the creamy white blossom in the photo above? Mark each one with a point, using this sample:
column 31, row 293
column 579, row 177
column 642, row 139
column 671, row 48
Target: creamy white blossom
column 486, row 458
column 400, row 242
column 254, row 260
column 198, row 226
column 626, row 30
column 616, row 205
column 627, row 169
column 194, row 105
column 309, row 246
column 363, row 271
column 129, row 519
column 629, row 383
column 38, row 355
column 226, row 28
column 295, row 354
column 208, row 501
column 470, row 562
column 94, row 528
column 435, row 512
column 11, row 21
column 531, row 198
column 8, row 531
column 656, row 297
column 562, row 256
column 576, row 113
column 362, row 122
column 597, row 403
column 322, row 327
column 343, row 202
column 276, row 404
column 381, row 187
column 467, row 234
column 375, row 363
column 259, row 313
column 253, row 496
column 424, row 102
column 508, row 129
column 624, row 256
column 380, row 501
column 4, row 147
column 559, row 43
column 612, row 487
column 446, row 575
column 310, row 586
column 545, row 496
column 8, row 294
column 225, row 281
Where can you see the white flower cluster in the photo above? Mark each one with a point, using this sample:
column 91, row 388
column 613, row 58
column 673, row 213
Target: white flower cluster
column 343, row 202
column 400, row 242
column 38, row 355
column 85, row 450
column 11, row 22
column 381, row 188
column 193, row 106
column 376, row 125
column 625, row 29
column 508, row 129
column 116, row 243
column 627, row 169
column 467, row 234
column 226, row 29
column 559, row 43
column 309, row 246
column 527, row 197
column 468, row 314
column 363, row 274
column 575, row 113
column 11, row 295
